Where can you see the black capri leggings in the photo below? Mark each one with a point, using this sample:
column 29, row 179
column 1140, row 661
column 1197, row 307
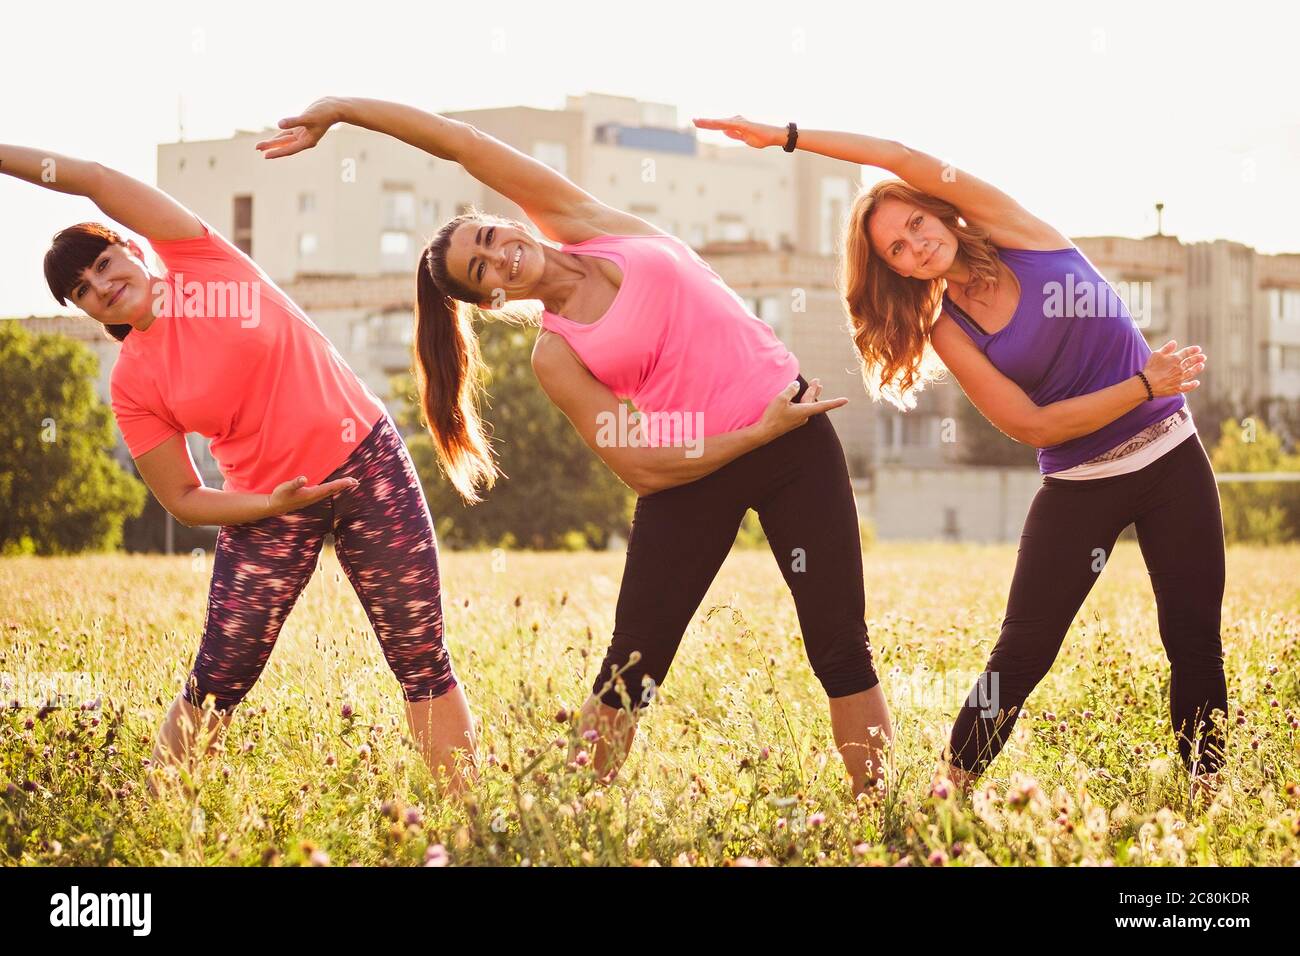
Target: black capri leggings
column 799, row 485
column 1070, row 531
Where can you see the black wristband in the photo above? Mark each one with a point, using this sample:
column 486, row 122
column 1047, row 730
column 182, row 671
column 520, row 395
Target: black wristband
column 1150, row 394
column 791, row 137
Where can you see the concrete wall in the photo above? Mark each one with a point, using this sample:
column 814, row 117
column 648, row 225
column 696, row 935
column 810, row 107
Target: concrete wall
column 982, row 505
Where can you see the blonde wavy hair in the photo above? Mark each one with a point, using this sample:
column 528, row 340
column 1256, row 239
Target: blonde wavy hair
column 891, row 316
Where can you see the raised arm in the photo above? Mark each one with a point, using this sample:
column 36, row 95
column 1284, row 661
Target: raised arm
column 169, row 472
column 1005, row 404
column 1007, row 222
column 141, row 208
column 587, row 402
column 563, row 211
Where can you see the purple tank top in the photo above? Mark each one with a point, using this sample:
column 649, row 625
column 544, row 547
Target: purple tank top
column 1071, row 334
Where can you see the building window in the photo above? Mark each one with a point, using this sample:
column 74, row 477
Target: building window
column 1284, row 305
column 399, row 209
column 767, row 308
column 388, row 337
column 918, row 430
column 833, row 207
column 908, row 430
column 243, row 219
column 395, row 243
column 396, row 240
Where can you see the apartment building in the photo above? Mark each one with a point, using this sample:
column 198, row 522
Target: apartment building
column 1241, row 306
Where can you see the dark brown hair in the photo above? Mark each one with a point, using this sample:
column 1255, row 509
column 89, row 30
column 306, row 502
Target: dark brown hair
column 449, row 368
column 72, row 251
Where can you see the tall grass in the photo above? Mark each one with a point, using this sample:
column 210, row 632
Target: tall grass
column 733, row 764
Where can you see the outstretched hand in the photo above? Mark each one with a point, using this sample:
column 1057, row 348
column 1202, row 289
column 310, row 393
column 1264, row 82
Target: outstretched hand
column 757, row 135
column 296, row 493
column 302, row 131
column 784, row 414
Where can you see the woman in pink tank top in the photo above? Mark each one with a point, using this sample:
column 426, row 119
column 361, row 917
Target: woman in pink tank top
column 630, row 312
column 306, row 450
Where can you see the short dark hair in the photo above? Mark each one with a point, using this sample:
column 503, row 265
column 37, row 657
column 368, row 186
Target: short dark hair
column 72, row 251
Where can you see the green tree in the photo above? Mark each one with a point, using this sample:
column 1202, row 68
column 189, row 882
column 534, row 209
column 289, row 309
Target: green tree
column 557, row 493
column 1261, row 512
column 61, row 491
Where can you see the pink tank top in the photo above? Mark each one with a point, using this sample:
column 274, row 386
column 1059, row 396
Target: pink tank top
column 677, row 341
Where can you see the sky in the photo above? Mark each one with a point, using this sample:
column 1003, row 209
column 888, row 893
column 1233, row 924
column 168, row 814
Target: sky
column 1086, row 114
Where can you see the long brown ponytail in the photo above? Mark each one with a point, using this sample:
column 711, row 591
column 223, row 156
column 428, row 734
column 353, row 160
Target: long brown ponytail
column 450, row 372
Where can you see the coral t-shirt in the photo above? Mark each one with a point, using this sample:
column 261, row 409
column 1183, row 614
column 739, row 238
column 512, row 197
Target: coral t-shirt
column 231, row 357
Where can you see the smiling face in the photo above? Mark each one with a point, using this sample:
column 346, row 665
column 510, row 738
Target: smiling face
column 486, row 256
column 115, row 288
column 910, row 240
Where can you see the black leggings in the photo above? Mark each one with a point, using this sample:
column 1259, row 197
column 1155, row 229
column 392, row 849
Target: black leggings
column 1070, row 532
column 799, row 485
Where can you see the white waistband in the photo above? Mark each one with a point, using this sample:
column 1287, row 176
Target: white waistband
column 1138, row 458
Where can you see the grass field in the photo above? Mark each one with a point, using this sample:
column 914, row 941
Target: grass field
column 734, row 763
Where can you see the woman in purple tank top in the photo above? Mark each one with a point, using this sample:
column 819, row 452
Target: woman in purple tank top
column 633, row 312
column 937, row 264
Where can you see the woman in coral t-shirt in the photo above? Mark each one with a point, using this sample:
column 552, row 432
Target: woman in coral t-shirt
column 306, row 449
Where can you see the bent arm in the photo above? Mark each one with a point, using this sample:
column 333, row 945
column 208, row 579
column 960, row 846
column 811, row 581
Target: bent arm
column 561, row 209
column 591, row 407
column 139, row 207
column 1007, row 222
column 1084, row 414
column 169, row 472
column 980, row 203
column 1005, row 404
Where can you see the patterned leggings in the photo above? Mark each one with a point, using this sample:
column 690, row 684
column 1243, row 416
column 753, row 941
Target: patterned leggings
column 384, row 540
